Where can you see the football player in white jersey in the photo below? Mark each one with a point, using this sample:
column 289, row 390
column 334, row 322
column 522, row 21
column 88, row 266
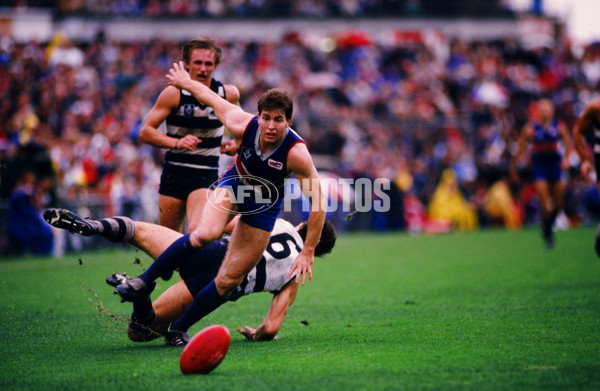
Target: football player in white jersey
column 150, row 320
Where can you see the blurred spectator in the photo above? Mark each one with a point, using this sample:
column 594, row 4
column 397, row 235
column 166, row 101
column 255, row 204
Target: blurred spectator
column 447, row 203
column 27, row 231
column 499, row 205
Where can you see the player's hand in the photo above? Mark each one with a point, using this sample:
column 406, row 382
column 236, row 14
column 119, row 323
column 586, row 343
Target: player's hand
column 229, row 147
column 189, row 142
column 178, row 76
column 303, row 266
column 247, row 332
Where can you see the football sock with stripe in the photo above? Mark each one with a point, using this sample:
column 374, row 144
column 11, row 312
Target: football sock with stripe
column 116, row 229
column 205, row 302
column 169, row 260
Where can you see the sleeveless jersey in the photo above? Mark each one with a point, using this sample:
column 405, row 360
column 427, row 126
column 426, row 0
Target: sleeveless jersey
column 193, row 117
column 270, row 275
column 545, row 140
column 271, row 166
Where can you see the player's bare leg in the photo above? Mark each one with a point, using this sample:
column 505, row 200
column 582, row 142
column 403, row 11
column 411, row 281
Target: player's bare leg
column 153, row 239
column 171, row 212
column 217, row 213
column 245, row 250
column 171, row 305
column 543, row 191
column 195, row 206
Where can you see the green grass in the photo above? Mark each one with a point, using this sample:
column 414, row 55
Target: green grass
column 490, row 310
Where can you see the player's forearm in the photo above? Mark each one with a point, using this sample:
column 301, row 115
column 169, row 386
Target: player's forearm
column 207, row 96
column 316, row 219
column 154, row 137
column 313, row 233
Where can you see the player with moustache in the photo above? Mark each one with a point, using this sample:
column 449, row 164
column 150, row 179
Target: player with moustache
column 193, row 138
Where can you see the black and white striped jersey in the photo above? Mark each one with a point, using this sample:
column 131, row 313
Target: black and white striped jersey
column 270, row 275
column 193, row 117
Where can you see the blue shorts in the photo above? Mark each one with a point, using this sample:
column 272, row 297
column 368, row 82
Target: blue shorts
column 258, row 211
column 546, row 168
column 202, row 267
column 179, row 181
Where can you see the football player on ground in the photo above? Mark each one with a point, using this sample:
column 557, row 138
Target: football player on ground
column 150, row 320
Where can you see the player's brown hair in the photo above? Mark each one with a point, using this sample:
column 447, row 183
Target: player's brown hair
column 200, row 43
column 276, row 99
column 327, row 240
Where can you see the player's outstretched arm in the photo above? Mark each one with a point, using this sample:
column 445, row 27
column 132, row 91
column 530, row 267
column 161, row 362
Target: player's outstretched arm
column 231, row 115
column 275, row 315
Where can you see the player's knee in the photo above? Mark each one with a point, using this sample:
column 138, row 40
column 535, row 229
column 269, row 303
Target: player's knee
column 204, row 236
column 226, row 283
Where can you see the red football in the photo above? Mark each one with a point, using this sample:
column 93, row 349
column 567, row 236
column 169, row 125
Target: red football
column 206, row 350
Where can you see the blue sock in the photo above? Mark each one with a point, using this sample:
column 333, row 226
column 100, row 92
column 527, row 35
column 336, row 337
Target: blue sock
column 205, row 302
column 170, row 259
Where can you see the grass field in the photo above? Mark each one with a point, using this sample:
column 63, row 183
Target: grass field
column 491, row 310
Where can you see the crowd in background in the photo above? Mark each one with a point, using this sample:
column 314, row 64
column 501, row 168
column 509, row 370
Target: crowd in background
column 71, row 113
column 269, row 8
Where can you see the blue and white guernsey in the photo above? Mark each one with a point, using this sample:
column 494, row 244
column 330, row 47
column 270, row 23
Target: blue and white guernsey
column 270, row 275
column 545, row 140
column 193, row 117
column 270, row 166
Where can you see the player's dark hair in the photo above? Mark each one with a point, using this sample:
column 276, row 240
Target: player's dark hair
column 200, row 43
column 327, row 240
column 274, row 100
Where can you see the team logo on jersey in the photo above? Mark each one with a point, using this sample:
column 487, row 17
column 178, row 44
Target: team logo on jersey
column 246, row 153
column 188, row 109
column 275, row 164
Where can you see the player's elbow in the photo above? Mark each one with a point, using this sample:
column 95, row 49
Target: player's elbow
column 145, row 134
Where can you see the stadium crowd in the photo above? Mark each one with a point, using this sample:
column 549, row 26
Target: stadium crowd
column 263, row 8
column 413, row 113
